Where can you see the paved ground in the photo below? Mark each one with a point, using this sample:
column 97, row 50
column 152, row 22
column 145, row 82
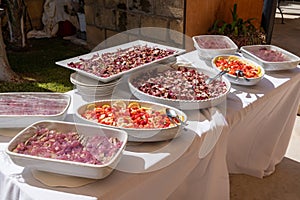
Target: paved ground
column 287, row 35
column 284, row 184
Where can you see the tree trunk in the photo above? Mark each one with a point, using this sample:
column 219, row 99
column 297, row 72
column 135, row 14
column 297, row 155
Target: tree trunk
column 6, row 73
column 16, row 15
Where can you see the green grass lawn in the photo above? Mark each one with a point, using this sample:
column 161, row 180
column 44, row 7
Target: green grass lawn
column 37, row 66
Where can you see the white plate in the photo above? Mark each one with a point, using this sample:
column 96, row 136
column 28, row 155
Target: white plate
column 134, row 134
column 31, row 101
column 81, row 80
column 90, row 88
column 62, row 166
column 180, row 104
column 64, row 63
column 96, row 92
column 91, row 98
column 291, row 63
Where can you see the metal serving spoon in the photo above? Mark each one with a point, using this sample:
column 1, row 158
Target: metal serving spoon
column 221, row 73
column 240, row 73
column 172, row 114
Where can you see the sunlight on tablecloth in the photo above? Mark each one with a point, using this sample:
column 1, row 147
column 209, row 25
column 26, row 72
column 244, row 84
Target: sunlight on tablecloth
column 15, row 187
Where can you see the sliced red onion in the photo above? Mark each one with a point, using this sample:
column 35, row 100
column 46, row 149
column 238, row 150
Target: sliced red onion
column 50, row 143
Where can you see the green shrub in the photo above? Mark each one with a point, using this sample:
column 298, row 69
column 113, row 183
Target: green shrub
column 242, row 32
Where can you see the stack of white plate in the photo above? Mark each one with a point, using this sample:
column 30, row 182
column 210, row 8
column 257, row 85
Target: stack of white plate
column 91, row 89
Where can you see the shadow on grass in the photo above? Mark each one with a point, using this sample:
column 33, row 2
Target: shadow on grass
column 36, row 65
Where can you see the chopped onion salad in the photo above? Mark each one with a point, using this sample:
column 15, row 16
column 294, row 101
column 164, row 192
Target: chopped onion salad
column 50, row 143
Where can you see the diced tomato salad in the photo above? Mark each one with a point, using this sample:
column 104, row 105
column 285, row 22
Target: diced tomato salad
column 232, row 65
column 128, row 116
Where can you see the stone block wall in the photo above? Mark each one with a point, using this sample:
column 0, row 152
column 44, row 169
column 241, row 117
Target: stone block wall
column 105, row 18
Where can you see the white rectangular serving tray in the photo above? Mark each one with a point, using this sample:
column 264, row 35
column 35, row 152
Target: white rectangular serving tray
column 292, row 62
column 64, row 63
column 64, row 167
column 209, row 54
column 21, row 121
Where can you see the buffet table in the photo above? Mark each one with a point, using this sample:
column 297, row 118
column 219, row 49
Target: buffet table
column 261, row 126
column 260, row 121
column 248, row 134
column 191, row 166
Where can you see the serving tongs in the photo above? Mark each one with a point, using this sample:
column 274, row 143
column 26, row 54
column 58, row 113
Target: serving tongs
column 84, row 140
column 173, row 115
column 221, row 73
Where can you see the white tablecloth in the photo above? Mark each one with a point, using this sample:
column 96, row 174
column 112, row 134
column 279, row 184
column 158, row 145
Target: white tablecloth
column 146, row 171
column 260, row 130
column 191, row 166
column 260, row 120
column 248, row 144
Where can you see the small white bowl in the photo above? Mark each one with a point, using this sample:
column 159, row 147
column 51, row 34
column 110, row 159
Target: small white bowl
column 240, row 80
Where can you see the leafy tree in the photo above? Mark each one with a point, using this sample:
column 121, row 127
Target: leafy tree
column 16, row 15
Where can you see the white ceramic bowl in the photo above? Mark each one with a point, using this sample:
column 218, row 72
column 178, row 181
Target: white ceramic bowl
column 240, row 80
column 209, row 46
column 62, row 166
column 180, row 104
column 134, row 134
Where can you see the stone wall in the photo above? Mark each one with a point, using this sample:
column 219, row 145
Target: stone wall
column 105, row 18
